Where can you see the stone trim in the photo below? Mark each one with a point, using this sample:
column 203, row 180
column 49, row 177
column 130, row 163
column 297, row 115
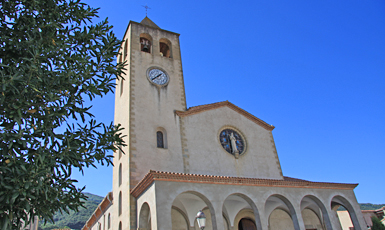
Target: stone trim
column 226, row 180
column 207, row 107
column 185, row 153
column 102, row 207
column 275, row 154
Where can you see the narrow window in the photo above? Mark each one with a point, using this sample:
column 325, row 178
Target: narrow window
column 164, row 49
column 120, row 153
column 108, row 221
column 120, row 174
column 104, row 222
column 121, row 86
column 125, row 49
column 99, row 226
column 145, row 45
column 159, row 139
column 120, row 225
column 120, row 204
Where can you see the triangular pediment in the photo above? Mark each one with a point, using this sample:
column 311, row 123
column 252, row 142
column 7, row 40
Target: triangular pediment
column 203, row 108
column 148, row 22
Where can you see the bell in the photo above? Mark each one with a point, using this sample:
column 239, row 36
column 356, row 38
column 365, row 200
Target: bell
column 145, row 48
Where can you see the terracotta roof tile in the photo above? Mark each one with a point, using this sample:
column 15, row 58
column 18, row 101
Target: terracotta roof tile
column 152, row 176
column 202, row 108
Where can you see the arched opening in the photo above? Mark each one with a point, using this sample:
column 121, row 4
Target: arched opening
column 120, row 174
column 179, row 219
column 165, row 48
column 311, row 219
column 120, row 204
column 237, row 207
column 281, row 213
column 280, row 219
column 145, row 43
column 145, row 217
column 99, row 226
column 120, row 225
column 314, row 214
column 185, row 208
column 345, row 213
column 246, row 224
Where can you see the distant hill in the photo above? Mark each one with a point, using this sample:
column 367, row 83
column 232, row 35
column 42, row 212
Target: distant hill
column 77, row 220
column 369, row 206
column 74, row 220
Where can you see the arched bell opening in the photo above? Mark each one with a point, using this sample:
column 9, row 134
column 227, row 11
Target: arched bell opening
column 345, row 213
column 185, row 208
column 314, row 214
column 241, row 212
column 145, row 43
column 281, row 213
column 145, row 217
column 165, row 48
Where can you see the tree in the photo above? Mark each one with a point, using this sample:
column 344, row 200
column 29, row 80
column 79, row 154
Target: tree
column 51, row 58
column 377, row 225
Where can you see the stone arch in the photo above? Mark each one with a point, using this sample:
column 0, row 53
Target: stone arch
column 145, row 42
column 237, row 206
column 279, row 202
column 165, row 47
column 315, row 205
column 145, row 217
column 188, row 203
column 338, row 201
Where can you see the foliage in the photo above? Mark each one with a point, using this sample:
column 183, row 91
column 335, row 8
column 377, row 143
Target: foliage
column 74, row 220
column 377, row 225
column 51, row 57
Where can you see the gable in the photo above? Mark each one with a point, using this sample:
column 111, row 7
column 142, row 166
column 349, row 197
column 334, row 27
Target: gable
column 204, row 108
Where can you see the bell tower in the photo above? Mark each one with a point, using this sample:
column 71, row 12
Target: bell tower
column 145, row 104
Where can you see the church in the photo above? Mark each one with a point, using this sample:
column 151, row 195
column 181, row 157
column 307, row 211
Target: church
column 213, row 162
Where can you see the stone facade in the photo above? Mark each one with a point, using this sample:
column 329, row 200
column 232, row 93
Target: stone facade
column 217, row 158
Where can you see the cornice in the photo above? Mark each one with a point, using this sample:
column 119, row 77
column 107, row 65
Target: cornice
column 153, row 176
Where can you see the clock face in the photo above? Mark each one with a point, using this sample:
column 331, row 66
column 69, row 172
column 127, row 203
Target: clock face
column 232, row 141
column 157, row 76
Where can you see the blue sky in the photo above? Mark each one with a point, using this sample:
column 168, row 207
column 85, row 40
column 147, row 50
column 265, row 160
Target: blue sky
column 313, row 69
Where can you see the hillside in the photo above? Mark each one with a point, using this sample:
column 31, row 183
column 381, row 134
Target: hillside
column 77, row 220
column 74, row 220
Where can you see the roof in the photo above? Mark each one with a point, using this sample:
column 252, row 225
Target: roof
column 148, row 22
column 202, row 108
column 153, row 176
column 102, row 207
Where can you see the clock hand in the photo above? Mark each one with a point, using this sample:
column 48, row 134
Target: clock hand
column 156, row 76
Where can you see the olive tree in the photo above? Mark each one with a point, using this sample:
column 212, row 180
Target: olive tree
column 52, row 58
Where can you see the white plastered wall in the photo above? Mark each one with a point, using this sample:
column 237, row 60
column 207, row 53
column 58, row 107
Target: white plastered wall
column 206, row 155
